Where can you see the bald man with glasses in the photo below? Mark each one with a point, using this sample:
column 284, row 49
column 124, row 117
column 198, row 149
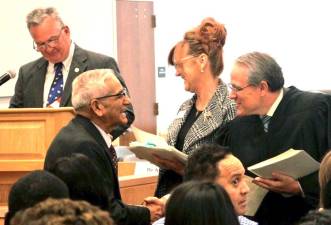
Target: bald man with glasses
column 46, row 82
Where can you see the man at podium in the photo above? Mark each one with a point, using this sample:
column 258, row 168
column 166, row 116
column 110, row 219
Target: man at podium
column 100, row 102
column 46, row 82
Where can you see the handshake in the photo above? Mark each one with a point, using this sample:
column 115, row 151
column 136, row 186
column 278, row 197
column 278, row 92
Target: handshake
column 156, row 206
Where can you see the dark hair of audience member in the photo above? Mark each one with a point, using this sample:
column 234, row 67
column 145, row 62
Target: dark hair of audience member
column 203, row 162
column 32, row 189
column 316, row 217
column 325, row 181
column 62, row 212
column 83, row 178
column 200, row 203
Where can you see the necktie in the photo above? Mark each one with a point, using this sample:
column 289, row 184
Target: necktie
column 113, row 156
column 55, row 93
column 265, row 120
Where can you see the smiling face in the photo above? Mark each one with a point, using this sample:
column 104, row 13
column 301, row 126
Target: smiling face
column 232, row 179
column 186, row 67
column 111, row 110
column 51, row 31
column 246, row 96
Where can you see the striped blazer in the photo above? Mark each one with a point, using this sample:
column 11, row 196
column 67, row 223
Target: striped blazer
column 219, row 110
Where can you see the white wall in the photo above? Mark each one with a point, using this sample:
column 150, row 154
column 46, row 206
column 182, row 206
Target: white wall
column 296, row 33
column 92, row 26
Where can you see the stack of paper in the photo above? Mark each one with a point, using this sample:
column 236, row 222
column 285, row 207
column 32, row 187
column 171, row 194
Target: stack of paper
column 295, row 163
column 149, row 145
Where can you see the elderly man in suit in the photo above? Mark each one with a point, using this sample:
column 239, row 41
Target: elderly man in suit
column 100, row 102
column 62, row 61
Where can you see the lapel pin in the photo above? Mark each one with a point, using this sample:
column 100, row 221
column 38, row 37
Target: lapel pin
column 76, row 69
column 207, row 115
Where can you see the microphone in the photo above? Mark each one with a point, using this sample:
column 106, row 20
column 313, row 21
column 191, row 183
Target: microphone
column 7, row 76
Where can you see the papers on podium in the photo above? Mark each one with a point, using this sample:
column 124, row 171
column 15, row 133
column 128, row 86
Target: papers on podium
column 148, row 145
column 295, row 163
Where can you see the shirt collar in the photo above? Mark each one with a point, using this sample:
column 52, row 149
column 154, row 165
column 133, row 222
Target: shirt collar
column 276, row 103
column 107, row 137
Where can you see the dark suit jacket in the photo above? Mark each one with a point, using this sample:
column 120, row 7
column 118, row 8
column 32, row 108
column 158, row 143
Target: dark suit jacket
column 29, row 89
column 81, row 136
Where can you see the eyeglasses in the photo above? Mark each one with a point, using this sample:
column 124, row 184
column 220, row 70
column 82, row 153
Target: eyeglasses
column 181, row 62
column 122, row 93
column 51, row 42
column 235, row 88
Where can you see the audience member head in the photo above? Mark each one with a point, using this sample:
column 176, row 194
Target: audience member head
column 325, row 181
column 83, row 178
column 98, row 95
column 62, row 212
column 256, row 78
column 51, row 37
column 33, row 188
column 317, row 217
column 216, row 164
column 200, row 53
column 200, row 203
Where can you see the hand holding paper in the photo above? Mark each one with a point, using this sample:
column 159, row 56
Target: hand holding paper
column 174, row 164
column 255, row 196
column 280, row 173
column 144, row 137
column 156, row 150
column 280, row 183
column 294, row 163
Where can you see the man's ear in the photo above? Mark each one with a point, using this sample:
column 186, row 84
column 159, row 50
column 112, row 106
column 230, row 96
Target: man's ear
column 264, row 86
column 66, row 29
column 97, row 107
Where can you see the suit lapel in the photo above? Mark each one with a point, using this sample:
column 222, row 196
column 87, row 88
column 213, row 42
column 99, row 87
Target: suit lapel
column 211, row 118
column 39, row 75
column 202, row 127
column 93, row 131
column 78, row 65
column 179, row 121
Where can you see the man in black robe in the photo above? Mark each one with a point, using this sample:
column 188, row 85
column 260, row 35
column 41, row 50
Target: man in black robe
column 295, row 119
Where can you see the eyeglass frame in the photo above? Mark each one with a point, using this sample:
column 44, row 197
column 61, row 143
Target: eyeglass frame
column 183, row 60
column 121, row 94
column 236, row 89
column 51, row 42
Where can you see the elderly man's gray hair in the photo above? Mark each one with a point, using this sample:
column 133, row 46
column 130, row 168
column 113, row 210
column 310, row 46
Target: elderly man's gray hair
column 90, row 84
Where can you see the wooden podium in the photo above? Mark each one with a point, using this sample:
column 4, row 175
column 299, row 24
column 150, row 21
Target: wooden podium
column 25, row 135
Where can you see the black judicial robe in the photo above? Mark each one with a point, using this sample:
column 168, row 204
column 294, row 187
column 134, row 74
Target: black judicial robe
column 302, row 120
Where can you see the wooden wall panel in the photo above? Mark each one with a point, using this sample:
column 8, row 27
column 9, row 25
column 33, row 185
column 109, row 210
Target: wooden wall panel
column 135, row 47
